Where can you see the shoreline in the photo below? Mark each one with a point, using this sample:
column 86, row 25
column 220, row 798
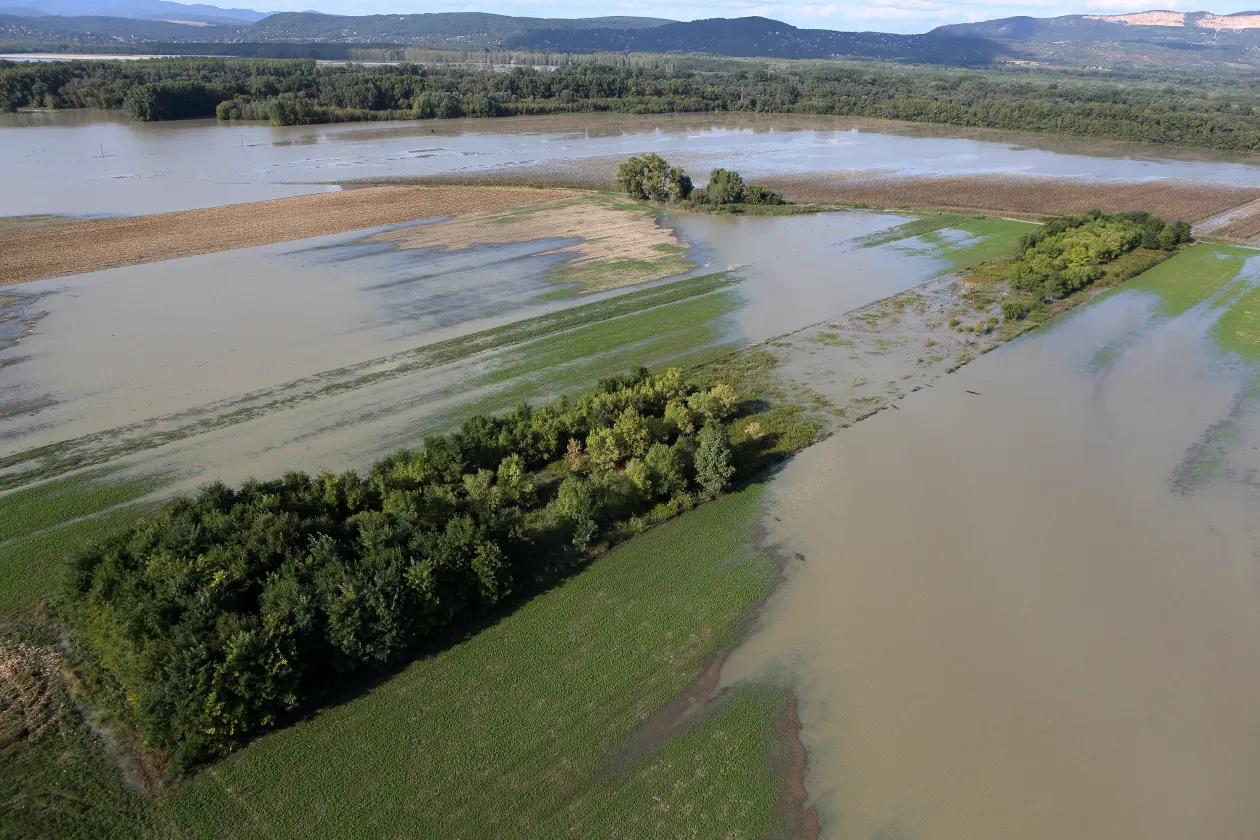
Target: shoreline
column 31, row 253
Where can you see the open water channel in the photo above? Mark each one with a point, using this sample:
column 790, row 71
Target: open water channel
column 1023, row 610
column 85, row 163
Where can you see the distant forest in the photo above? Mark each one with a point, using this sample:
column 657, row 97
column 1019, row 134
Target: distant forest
column 293, row 92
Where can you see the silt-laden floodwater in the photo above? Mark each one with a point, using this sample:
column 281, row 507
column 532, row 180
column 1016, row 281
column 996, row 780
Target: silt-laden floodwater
column 1011, row 620
column 84, row 163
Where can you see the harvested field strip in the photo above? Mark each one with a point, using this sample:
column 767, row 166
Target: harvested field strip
column 1240, row 223
column 618, row 243
column 89, row 450
column 91, row 245
column 1017, row 195
column 44, row 220
column 515, row 731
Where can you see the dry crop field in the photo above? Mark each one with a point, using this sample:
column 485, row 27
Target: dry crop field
column 1021, row 196
column 1031, row 196
column 43, row 252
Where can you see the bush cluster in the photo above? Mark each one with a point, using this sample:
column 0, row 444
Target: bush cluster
column 226, row 611
column 651, row 178
column 1069, row 253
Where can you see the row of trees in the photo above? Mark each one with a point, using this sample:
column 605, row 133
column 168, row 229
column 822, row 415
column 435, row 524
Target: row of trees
column 651, row 178
column 226, row 611
column 1188, row 114
column 1072, row 252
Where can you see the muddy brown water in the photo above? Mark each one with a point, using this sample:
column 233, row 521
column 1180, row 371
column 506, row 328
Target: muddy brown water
column 86, row 163
column 1008, row 623
column 163, row 345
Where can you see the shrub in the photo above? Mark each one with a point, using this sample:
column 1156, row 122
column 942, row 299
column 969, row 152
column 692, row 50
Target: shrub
column 650, row 177
column 725, row 187
column 715, row 464
column 760, row 195
column 1013, row 310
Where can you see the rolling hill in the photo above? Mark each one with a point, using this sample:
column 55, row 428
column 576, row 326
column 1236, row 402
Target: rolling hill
column 134, row 9
column 434, row 29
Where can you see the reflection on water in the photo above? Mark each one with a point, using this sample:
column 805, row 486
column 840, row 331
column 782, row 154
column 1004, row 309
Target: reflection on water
column 796, row 270
column 1007, row 624
column 132, row 343
column 168, row 345
column 91, row 163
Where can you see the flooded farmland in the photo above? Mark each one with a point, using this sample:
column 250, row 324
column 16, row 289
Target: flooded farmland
column 327, row 353
column 1027, row 599
column 1029, row 602
column 81, row 163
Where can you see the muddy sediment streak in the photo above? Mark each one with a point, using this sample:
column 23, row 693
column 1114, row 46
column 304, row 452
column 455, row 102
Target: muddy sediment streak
column 1007, row 624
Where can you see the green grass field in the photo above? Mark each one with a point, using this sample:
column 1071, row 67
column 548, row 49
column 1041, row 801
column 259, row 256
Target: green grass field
column 1192, row 276
column 41, row 526
column 918, row 226
column 517, row 731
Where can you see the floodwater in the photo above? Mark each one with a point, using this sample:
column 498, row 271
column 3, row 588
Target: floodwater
column 93, row 163
column 174, row 346
column 1012, row 620
column 798, row 268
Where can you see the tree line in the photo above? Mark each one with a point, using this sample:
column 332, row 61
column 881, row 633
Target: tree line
column 296, row 91
column 224, row 612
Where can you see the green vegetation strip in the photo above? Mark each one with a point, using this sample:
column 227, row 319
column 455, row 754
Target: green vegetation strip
column 35, row 508
column 1193, row 276
column 98, row 448
column 980, row 240
column 908, row 230
column 514, row 732
column 63, row 784
column 1238, row 329
column 32, row 566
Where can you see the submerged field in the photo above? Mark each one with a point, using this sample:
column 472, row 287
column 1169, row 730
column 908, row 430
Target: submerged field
column 595, row 707
column 1102, row 468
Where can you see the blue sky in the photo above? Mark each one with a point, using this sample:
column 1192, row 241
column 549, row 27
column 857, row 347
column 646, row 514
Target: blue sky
column 882, row 15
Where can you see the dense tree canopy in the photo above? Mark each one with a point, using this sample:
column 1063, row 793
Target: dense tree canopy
column 226, row 611
column 298, row 90
column 1070, row 252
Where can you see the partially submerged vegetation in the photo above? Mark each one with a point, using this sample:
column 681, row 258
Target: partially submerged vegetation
column 222, row 614
column 1073, row 252
column 234, row 612
column 651, row 178
column 615, row 243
